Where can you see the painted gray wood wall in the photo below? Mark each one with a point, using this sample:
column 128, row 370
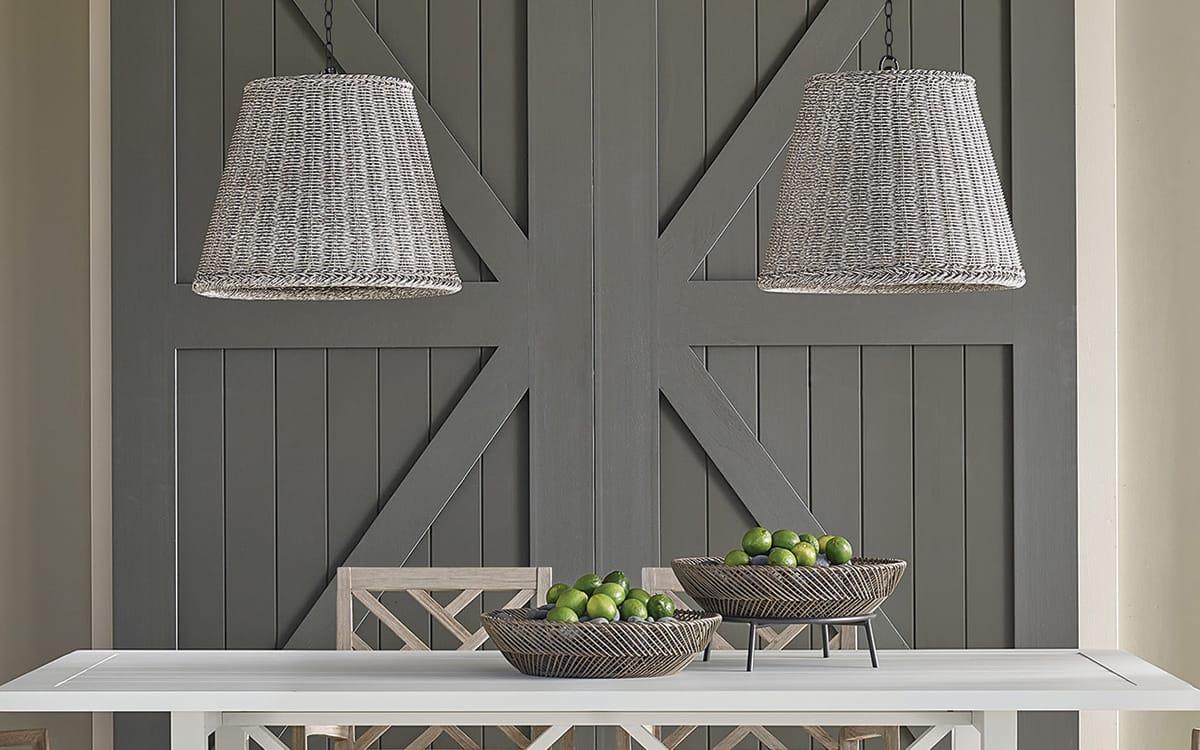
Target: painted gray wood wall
column 579, row 404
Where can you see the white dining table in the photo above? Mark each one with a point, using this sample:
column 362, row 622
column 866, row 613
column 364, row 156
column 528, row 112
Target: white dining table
column 973, row 696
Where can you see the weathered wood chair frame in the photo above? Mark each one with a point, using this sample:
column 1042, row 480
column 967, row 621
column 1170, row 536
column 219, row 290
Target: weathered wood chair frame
column 664, row 581
column 34, row 738
column 363, row 585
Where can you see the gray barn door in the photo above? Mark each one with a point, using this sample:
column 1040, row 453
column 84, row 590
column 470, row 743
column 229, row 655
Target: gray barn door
column 609, row 389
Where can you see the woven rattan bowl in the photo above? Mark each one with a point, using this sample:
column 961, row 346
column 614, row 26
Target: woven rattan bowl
column 775, row 592
column 598, row 650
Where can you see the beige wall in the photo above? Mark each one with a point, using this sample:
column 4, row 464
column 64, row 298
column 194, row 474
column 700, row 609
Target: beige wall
column 1158, row 233
column 45, row 444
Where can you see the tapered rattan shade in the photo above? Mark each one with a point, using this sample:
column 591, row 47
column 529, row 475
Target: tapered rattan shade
column 889, row 186
column 327, row 193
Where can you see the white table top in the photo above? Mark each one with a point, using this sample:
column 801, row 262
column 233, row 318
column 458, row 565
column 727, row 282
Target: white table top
column 331, row 681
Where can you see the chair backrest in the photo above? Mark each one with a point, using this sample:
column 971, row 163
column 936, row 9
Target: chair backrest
column 364, row 585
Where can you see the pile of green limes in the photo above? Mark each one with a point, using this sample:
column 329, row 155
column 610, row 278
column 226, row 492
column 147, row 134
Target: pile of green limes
column 608, row 599
column 787, row 549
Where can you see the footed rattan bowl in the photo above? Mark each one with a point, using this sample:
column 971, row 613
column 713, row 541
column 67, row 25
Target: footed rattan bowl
column 766, row 591
column 598, row 650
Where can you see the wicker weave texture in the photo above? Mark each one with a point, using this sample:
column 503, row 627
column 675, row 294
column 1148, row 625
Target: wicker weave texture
column 768, row 591
column 890, row 186
column 599, row 650
column 327, row 193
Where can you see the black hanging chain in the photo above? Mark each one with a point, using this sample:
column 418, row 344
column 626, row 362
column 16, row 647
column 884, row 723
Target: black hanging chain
column 888, row 61
column 330, row 65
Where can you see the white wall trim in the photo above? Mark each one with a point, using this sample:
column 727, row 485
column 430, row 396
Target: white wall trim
column 1096, row 290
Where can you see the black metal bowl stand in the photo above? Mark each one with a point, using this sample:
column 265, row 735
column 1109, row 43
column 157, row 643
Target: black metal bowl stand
column 863, row 621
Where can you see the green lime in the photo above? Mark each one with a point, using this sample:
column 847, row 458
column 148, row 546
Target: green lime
column 555, row 590
column 838, row 551
column 562, row 614
column 602, row 606
column 618, row 577
column 757, row 541
column 782, row 558
column 737, row 557
column 614, row 591
column 824, row 540
column 642, row 595
column 816, row 543
column 785, row 538
column 659, row 606
column 588, row 583
column 573, row 599
column 806, row 555
column 633, row 608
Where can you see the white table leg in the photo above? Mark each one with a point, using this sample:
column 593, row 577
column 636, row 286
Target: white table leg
column 232, row 738
column 965, row 738
column 190, row 730
column 997, row 730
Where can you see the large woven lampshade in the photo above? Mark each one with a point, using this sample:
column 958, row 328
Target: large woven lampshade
column 327, row 193
column 889, row 186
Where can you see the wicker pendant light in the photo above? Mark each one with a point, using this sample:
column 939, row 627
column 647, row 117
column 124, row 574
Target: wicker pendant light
column 890, row 187
column 327, row 193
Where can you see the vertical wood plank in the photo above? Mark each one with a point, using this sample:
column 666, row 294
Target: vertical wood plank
column 731, row 78
column 986, row 56
column 780, row 25
column 298, row 51
column 836, row 442
column 937, row 40
column 504, row 134
column 681, row 141
column 201, row 499
column 198, row 109
column 939, row 556
column 301, row 479
column 403, row 434
column 404, row 27
column 562, row 386
column 683, row 466
column 784, row 431
column 247, row 43
column 989, row 532
column 1045, row 503
column 457, row 537
column 143, row 178
column 250, row 498
column 454, row 94
column 353, row 453
column 730, row 81
column 887, row 439
column 626, row 262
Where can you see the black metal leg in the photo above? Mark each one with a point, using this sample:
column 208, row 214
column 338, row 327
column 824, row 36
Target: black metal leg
column 707, row 651
column 753, row 644
column 871, row 644
column 825, row 640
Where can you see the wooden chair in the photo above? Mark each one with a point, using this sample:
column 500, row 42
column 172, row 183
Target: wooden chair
column 663, row 580
column 33, row 738
column 365, row 585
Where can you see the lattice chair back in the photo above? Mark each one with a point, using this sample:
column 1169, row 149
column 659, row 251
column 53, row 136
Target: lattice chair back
column 664, row 581
column 32, row 738
column 367, row 585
